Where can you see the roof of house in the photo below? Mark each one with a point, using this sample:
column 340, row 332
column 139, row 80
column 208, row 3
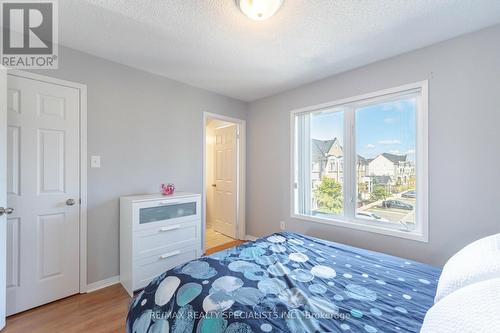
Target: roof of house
column 321, row 148
column 394, row 158
column 364, row 161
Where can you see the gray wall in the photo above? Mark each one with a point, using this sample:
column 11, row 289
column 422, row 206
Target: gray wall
column 147, row 129
column 464, row 153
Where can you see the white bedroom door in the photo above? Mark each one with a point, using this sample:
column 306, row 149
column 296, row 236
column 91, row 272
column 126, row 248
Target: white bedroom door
column 43, row 188
column 225, row 201
column 3, row 190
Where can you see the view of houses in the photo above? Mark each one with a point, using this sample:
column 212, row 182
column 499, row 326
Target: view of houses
column 386, row 183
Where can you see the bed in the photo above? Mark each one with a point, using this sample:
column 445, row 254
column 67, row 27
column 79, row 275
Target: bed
column 287, row 282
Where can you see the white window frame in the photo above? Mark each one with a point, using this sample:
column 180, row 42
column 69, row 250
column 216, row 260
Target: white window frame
column 421, row 233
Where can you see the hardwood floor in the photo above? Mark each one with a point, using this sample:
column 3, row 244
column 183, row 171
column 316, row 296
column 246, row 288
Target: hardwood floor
column 104, row 310
column 214, row 238
column 223, row 246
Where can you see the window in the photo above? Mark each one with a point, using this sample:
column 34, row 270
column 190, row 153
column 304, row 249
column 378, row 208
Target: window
column 362, row 162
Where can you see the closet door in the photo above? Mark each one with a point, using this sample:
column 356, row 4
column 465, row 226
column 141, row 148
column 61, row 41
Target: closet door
column 43, row 188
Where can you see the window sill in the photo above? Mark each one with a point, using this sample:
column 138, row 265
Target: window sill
column 373, row 227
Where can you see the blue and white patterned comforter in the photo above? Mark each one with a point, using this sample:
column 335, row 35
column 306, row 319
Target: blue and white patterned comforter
column 287, row 283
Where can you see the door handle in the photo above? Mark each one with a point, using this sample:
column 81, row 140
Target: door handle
column 6, row 211
column 214, row 185
column 70, row 202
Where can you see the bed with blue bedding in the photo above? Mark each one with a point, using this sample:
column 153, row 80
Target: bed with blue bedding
column 287, row 282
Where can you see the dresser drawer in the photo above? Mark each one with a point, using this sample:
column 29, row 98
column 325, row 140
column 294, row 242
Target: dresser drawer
column 147, row 214
column 165, row 237
column 148, row 268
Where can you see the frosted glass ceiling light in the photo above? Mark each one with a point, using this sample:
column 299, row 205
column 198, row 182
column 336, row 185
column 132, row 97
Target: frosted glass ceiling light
column 259, row 10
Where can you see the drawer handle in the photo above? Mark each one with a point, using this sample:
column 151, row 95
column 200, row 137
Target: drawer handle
column 170, row 254
column 169, row 203
column 173, row 227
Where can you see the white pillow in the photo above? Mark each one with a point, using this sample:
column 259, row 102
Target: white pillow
column 476, row 262
column 473, row 309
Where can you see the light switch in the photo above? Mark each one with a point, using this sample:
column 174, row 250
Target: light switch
column 95, row 161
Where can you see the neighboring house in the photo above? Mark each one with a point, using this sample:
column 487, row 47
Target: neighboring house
column 385, row 169
column 362, row 166
column 398, row 167
column 327, row 160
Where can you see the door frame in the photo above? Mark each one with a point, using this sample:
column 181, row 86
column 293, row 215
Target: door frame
column 241, row 173
column 3, row 188
column 82, row 88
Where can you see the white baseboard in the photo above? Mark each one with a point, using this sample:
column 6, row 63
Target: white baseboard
column 103, row 283
column 251, row 238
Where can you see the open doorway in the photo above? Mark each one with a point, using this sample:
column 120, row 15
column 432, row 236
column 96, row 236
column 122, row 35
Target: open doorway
column 224, row 168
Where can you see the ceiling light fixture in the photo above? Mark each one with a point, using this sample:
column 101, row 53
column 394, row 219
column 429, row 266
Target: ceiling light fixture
column 259, row 10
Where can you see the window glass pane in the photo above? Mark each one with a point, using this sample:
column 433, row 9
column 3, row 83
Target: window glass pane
column 320, row 163
column 385, row 163
column 327, row 158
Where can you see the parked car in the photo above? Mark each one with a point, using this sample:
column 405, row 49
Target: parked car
column 370, row 216
column 396, row 204
column 409, row 194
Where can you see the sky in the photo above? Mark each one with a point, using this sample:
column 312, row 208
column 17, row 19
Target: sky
column 381, row 128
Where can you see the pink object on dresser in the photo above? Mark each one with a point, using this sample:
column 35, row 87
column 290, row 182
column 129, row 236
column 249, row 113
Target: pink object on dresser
column 167, row 189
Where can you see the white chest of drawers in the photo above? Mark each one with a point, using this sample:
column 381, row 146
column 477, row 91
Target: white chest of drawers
column 157, row 233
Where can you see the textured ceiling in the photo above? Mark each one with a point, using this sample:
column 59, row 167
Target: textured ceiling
column 210, row 44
